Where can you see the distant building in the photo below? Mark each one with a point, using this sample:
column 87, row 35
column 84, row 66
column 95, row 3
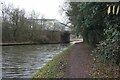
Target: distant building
column 53, row 30
column 50, row 24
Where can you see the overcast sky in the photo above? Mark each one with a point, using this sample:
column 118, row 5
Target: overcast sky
column 50, row 8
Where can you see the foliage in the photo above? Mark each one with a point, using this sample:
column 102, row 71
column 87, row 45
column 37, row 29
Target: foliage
column 91, row 20
column 87, row 19
column 17, row 27
column 107, row 55
column 98, row 29
column 108, row 50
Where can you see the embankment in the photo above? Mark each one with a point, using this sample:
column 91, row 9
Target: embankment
column 55, row 68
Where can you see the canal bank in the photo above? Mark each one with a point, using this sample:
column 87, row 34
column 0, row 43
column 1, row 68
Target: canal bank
column 30, row 43
column 55, row 68
column 75, row 62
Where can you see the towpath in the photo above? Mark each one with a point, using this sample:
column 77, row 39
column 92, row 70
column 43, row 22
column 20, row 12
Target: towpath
column 79, row 63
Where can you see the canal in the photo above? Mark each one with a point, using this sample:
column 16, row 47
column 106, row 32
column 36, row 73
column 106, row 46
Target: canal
column 24, row 60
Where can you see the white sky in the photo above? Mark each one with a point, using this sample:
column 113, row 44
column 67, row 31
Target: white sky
column 49, row 8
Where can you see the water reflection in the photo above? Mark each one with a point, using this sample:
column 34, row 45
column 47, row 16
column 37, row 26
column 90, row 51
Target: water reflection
column 23, row 61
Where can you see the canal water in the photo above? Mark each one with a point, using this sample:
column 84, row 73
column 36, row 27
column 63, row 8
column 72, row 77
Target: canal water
column 24, row 60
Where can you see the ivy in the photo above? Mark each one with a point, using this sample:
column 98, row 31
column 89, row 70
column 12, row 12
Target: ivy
column 108, row 50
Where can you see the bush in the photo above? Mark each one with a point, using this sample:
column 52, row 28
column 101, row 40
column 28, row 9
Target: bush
column 107, row 55
column 108, row 50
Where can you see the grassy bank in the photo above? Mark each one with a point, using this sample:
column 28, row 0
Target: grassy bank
column 55, row 67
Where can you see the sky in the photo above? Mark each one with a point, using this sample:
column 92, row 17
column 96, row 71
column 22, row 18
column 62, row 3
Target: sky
column 49, row 8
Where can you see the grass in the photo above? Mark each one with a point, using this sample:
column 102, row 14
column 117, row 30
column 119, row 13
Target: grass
column 55, row 68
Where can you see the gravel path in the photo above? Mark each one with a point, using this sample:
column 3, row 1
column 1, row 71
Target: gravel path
column 79, row 63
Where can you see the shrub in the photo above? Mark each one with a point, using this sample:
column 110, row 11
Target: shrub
column 108, row 50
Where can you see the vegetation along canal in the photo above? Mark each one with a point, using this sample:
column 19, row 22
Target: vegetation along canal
column 24, row 60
